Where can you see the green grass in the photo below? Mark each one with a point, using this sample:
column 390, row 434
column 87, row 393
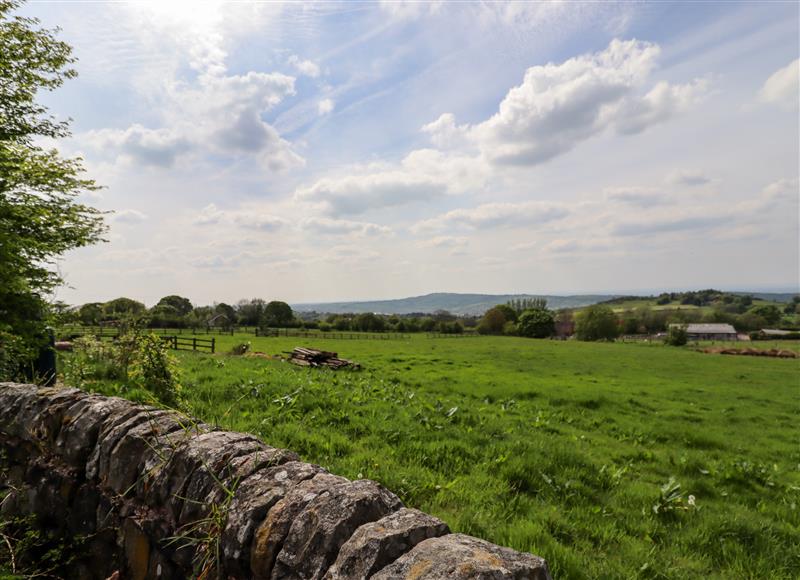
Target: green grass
column 557, row 448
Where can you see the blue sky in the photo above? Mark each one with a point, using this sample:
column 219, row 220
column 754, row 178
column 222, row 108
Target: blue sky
column 337, row 151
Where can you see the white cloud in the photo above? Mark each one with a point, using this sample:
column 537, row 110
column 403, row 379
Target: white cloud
column 661, row 103
column 304, row 67
column 558, row 106
column 212, row 112
column 356, row 194
column 781, row 88
column 325, row 106
column 223, row 114
column 129, row 216
column 577, row 246
column 158, row 147
column 496, row 215
column 524, row 247
column 637, row 196
column 410, row 9
column 331, row 227
column 443, row 242
column 688, row 178
column 252, row 218
column 444, row 132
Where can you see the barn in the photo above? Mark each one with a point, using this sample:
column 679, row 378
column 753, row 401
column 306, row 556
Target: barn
column 713, row 331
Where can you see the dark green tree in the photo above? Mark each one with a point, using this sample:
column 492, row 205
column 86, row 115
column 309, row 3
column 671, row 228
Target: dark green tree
column 91, row 314
column 181, row 305
column 676, row 335
column 493, row 321
column 597, row 322
column 40, row 218
column 368, row 322
column 510, row 314
column 279, row 314
column 227, row 310
column 250, row 312
column 122, row 308
column 769, row 312
column 536, row 323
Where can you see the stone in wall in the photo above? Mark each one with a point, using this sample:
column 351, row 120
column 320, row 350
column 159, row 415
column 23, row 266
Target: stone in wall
column 378, row 544
column 460, row 557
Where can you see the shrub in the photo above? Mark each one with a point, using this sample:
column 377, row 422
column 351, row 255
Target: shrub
column 537, row 323
column 596, row 322
column 677, row 336
column 156, row 370
column 91, row 360
column 510, row 329
column 493, row 321
column 241, row 348
column 14, row 355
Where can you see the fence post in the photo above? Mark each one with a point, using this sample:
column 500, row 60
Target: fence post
column 213, row 341
column 194, row 342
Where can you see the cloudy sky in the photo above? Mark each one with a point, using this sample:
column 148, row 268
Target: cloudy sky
column 335, row 151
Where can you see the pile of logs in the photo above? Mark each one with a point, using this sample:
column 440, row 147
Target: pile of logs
column 309, row 357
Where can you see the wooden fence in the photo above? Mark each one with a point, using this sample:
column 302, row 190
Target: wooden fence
column 194, row 343
column 295, row 333
column 112, row 331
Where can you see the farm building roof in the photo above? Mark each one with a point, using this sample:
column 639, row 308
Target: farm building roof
column 775, row 332
column 709, row 329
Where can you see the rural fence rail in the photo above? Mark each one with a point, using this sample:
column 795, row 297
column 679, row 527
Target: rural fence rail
column 294, row 333
column 185, row 343
column 112, row 331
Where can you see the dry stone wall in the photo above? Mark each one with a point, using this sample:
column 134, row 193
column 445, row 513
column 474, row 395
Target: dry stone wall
column 157, row 495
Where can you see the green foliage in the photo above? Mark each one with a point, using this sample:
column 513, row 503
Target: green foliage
column 677, row 336
column 278, row 314
column 509, row 313
column 520, row 305
column 672, row 500
column 91, row 314
column 493, row 321
column 93, row 361
column 27, row 550
column 769, row 312
column 597, row 322
column 15, row 355
column 39, row 218
column 122, row 308
column 156, row 370
column 179, row 304
column 241, row 348
column 536, row 323
column 368, row 322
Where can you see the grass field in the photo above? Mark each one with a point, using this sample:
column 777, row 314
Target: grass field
column 557, row 448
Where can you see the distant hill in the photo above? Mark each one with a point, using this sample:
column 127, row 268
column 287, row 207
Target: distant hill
column 461, row 304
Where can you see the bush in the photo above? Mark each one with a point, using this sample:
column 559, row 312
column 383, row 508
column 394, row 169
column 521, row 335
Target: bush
column 510, row 329
column 156, row 370
column 677, row 336
column 596, row 322
column 93, row 359
column 241, row 348
column 493, row 321
column 537, row 323
column 15, row 355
